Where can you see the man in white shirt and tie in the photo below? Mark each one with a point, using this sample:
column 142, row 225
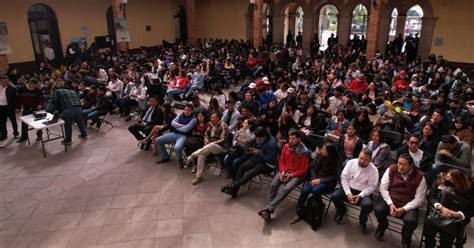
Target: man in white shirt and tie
column 358, row 179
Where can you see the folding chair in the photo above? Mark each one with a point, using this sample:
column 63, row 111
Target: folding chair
column 104, row 121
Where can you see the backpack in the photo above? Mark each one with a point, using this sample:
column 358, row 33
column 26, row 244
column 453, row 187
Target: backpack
column 313, row 212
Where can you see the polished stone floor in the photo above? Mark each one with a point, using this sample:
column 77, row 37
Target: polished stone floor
column 105, row 192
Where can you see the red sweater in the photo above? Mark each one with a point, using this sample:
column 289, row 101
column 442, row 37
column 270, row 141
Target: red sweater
column 181, row 83
column 402, row 84
column 296, row 162
column 358, row 86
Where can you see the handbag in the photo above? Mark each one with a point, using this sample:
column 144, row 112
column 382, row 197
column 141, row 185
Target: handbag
column 235, row 150
column 313, row 212
column 445, row 224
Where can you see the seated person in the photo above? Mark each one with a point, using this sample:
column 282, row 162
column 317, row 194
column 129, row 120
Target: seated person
column 420, row 158
column 324, row 173
column 90, row 98
column 349, row 145
column 263, row 160
column 462, row 130
column 101, row 108
column 358, row 180
column 197, row 82
column 149, row 118
column 137, row 97
column 176, row 86
column 168, row 116
column 215, row 141
column 453, row 182
column 403, row 189
column 182, row 127
column 231, row 116
column 453, row 152
column 292, row 166
column 196, row 141
column 243, row 140
column 336, row 126
column 380, row 150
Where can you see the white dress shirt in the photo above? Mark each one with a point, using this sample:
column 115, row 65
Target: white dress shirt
column 413, row 204
column 362, row 179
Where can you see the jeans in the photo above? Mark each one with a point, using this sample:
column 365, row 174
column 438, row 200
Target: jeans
column 366, row 203
column 90, row 114
column 171, row 138
column 233, row 161
column 201, row 155
column 70, row 115
column 170, row 93
column 190, row 89
column 317, row 191
column 275, row 198
column 250, row 169
column 410, row 219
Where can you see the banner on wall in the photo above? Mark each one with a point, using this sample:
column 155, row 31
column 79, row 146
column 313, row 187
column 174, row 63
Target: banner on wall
column 4, row 44
column 121, row 30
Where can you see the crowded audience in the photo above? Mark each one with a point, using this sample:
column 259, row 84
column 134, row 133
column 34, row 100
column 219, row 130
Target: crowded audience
column 335, row 123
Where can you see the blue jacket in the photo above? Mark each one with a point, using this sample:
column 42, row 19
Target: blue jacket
column 269, row 151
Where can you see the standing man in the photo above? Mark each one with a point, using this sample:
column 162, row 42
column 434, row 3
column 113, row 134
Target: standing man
column 66, row 101
column 7, row 107
column 49, row 54
column 30, row 98
column 149, row 118
column 292, row 166
column 403, row 189
column 359, row 180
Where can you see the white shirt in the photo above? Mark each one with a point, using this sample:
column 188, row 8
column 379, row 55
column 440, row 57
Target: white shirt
column 3, row 96
column 413, row 204
column 417, row 157
column 362, row 179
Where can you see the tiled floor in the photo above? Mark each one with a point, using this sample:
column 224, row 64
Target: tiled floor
column 105, row 192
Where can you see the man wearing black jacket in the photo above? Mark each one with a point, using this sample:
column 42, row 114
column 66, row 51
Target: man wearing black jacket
column 101, row 107
column 149, row 118
column 7, row 107
column 30, row 98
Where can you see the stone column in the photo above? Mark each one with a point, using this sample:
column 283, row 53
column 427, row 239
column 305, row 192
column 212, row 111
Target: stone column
column 119, row 12
column 426, row 38
column 307, row 34
column 257, row 23
column 292, row 23
column 3, row 64
column 401, row 20
column 384, row 29
column 191, row 21
column 278, row 28
column 344, row 28
column 373, row 29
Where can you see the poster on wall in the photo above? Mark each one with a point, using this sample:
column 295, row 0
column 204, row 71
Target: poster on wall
column 121, row 30
column 4, row 44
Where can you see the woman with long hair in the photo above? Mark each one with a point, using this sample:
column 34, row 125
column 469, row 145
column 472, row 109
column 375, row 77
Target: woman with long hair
column 363, row 125
column 380, row 150
column 453, row 182
column 428, row 139
column 238, row 153
column 322, row 179
column 196, row 140
column 461, row 130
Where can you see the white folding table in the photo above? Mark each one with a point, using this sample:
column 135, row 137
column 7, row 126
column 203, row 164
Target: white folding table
column 39, row 126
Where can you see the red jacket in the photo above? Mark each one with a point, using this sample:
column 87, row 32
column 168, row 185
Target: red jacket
column 181, row 83
column 358, row 86
column 296, row 162
column 402, row 84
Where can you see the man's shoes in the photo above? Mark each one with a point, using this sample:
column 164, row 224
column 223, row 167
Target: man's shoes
column 362, row 226
column 16, row 135
column 82, row 136
column 226, row 187
column 194, row 169
column 197, row 180
column 66, row 142
column 21, row 139
column 296, row 219
column 339, row 217
column 380, row 231
column 189, row 160
column 98, row 124
column 162, row 161
column 142, row 146
column 231, row 191
column 265, row 214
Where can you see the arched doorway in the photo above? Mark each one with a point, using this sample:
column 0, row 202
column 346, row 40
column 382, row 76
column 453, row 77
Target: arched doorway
column 413, row 22
column 392, row 33
column 181, row 28
column 328, row 20
column 359, row 21
column 111, row 26
column 44, row 31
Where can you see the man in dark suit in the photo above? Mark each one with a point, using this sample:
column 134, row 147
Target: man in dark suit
column 7, row 107
column 149, row 118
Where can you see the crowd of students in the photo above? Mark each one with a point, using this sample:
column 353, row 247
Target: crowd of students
column 388, row 123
